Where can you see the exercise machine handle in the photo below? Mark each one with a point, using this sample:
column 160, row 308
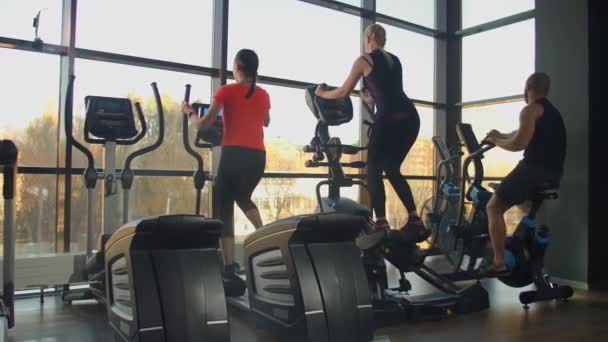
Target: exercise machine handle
column 199, row 175
column 69, row 127
column 161, row 129
column 186, row 134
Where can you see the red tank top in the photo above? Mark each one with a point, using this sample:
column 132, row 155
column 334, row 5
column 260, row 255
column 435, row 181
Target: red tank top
column 243, row 117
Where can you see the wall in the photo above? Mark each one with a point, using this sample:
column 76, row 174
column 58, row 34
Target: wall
column 562, row 52
column 598, row 234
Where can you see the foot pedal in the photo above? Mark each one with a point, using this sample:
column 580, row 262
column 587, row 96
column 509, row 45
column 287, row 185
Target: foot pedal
column 234, row 286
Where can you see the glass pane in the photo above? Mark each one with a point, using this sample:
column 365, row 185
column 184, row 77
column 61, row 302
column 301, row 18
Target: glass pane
column 78, row 220
column 476, row 12
column 99, row 78
column 504, row 118
column 16, row 18
column 352, row 2
column 497, row 63
column 396, row 213
column 177, row 31
column 295, row 40
column 421, row 12
column 149, row 196
column 292, row 125
column 281, row 198
column 417, row 55
column 30, row 117
column 419, row 161
column 166, row 196
column 34, row 214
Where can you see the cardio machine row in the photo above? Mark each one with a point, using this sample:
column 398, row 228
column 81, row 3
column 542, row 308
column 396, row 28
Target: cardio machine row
column 305, row 275
column 160, row 277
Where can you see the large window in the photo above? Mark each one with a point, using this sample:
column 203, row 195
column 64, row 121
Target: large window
column 165, row 196
column 177, row 31
column 295, row 40
column 421, row 12
column 476, row 12
column 34, row 214
column 30, row 117
column 116, row 80
column 504, row 118
column 149, row 196
column 496, row 63
column 16, row 17
column 417, row 55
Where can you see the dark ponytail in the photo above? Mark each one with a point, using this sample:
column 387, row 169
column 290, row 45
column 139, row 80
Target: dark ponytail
column 252, row 86
column 248, row 63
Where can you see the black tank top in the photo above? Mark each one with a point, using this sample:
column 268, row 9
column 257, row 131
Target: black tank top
column 385, row 85
column 548, row 145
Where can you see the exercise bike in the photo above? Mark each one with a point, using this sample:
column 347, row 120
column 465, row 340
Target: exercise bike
column 391, row 306
column 439, row 211
column 525, row 248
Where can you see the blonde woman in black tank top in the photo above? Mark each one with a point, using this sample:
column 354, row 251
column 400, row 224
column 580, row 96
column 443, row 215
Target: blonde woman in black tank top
column 396, row 126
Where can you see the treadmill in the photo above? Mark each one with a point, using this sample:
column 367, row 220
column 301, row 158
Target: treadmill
column 8, row 166
column 160, row 276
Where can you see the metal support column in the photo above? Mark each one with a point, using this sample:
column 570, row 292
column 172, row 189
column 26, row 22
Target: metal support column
column 452, row 10
column 220, row 61
column 365, row 110
column 64, row 200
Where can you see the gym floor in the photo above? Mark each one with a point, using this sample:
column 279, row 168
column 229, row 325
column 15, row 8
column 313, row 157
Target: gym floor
column 582, row 318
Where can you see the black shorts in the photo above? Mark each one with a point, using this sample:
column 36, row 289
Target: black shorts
column 524, row 182
column 239, row 172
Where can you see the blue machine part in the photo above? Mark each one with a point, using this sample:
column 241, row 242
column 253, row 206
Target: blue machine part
column 542, row 240
column 528, row 221
column 450, row 190
column 480, row 196
column 510, row 260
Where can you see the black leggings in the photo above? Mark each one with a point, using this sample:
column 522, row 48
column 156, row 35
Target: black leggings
column 389, row 144
column 239, row 172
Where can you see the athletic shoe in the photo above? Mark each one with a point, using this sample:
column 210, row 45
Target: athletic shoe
column 416, row 227
column 493, row 271
column 234, row 286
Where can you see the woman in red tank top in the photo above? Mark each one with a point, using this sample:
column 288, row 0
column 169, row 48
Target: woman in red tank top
column 245, row 109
